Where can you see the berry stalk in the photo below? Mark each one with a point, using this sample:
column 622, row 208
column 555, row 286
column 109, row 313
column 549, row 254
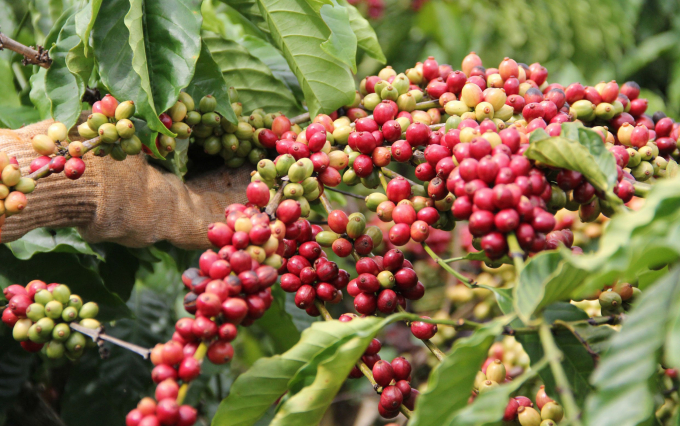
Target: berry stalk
column 44, row 171
column 554, row 356
column 431, row 346
column 97, row 335
column 516, row 252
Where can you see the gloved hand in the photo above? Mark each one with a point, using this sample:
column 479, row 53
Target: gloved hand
column 129, row 202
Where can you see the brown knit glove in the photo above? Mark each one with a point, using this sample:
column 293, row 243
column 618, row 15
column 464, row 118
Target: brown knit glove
column 128, row 202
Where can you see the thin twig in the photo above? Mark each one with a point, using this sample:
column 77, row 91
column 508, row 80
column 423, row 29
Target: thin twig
column 340, row 191
column 516, row 253
column 326, row 203
column 31, row 56
column 572, row 413
column 465, row 280
column 98, row 335
column 300, row 118
column 274, row 202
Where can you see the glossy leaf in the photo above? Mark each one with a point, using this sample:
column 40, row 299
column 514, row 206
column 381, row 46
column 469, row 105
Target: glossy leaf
column 366, row 37
column 256, row 85
column 208, row 80
column 450, row 382
column 278, row 323
column 11, row 97
column 43, row 240
column 147, row 52
column 273, row 59
column 13, row 118
column 546, row 278
column 569, row 154
column 298, row 32
column 256, row 390
column 624, row 393
column 604, row 159
column 251, row 11
column 85, row 19
column 308, row 405
column 66, row 78
column 342, row 43
column 38, row 96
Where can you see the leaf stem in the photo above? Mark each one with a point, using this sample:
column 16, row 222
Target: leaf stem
column 360, row 364
column 465, row 280
column 516, row 253
column 454, row 259
column 554, row 355
column 199, row 355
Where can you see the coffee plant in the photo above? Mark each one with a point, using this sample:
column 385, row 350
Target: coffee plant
column 470, row 244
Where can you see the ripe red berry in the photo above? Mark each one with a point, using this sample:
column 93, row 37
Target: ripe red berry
column 189, row 369
column 391, row 398
column 383, row 373
column 74, row 168
column 365, row 303
column 423, row 330
column 220, row 352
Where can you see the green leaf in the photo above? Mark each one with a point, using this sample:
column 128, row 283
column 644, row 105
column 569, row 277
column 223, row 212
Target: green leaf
column 563, row 311
column 574, row 155
column 85, row 19
column 273, row 59
column 79, row 274
column 44, row 240
column 208, row 80
column 268, row 379
column 366, row 37
column 298, row 32
column 450, row 382
column 176, row 162
column 308, row 405
column 342, row 43
column 13, row 118
column 577, row 363
column 624, row 395
column 278, row 323
column 38, row 96
column 10, row 96
column 147, row 52
column 256, row 85
column 250, row 10
column 65, row 79
column 15, row 369
column 545, row 279
column 603, row 157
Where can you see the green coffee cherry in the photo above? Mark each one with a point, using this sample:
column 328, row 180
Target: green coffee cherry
column 178, row 111
column 634, row 157
column 375, row 234
column 610, row 299
column 642, row 171
column 374, row 199
column 192, row 118
column 43, row 297
column 486, row 386
column 552, row 411
column 326, row 238
column 548, row 423
column 44, row 327
column 528, row 416
column 297, row 172
column 583, row 110
column 305, row 208
column 356, row 225
column 125, row 110
column 371, row 101
column 283, row 164
column 187, row 100
column 76, row 342
column 61, row 293
column 654, row 148
column 350, row 178
column 211, row 119
column 233, row 94
column 503, row 114
column 20, row 330
column 54, row 309
column 108, row 133
column 86, row 132
column 125, row 128
column 238, row 108
column 117, row 152
column 27, row 185
column 103, row 150
column 61, row 332
column 605, row 111
column 69, row 314
column 235, row 162
column 256, row 120
column 230, row 143
column 496, row 371
column 456, row 108
column 558, row 198
column 401, row 83
column 244, row 131
column 386, row 279
column 266, row 169
column 207, row 104
column 182, row 130
column 55, row 349
column 244, row 148
column 95, row 120
column 90, row 323
column 35, row 311
column 390, row 93
column 75, row 301
column 34, row 335
column 257, row 154
column 131, row 146
column 293, row 190
column 167, row 144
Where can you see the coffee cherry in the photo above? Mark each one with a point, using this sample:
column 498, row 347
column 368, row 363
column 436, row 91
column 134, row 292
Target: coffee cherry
column 220, row 352
column 365, row 303
column 401, row 368
column 510, row 413
column 552, row 411
column 542, row 398
column 189, row 369
column 187, row 416
column 391, row 398
column 19, row 303
column 423, row 330
column 383, row 373
column 74, row 168
column 133, row 418
column 167, row 411
column 167, row 389
column 528, row 416
column 150, row 421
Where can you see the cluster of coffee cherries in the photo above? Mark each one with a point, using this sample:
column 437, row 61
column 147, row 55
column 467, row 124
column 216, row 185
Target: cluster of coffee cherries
column 616, row 299
column 163, row 410
column 520, row 408
column 393, row 379
column 236, row 143
column 39, row 315
column 349, row 234
column 13, row 186
column 110, row 120
column 385, row 282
